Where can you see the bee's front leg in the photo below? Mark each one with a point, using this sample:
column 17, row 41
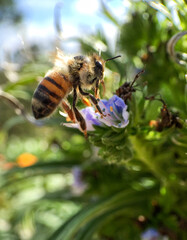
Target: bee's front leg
column 103, row 85
column 93, row 99
column 97, row 89
column 78, row 115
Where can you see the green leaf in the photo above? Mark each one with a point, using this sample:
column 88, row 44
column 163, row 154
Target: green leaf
column 20, row 174
column 99, row 210
column 108, row 14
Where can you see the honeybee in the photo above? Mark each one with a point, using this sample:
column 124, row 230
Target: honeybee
column 69, row 74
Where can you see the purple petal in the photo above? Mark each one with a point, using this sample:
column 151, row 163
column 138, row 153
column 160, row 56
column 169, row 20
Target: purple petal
column 120, row 105
column 117, row 103
column 90, row 115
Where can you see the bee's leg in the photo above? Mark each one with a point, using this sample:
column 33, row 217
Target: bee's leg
column 93, row 99
column 68, row 110
column 97, row 89
column 78, row 115
column 103, row 85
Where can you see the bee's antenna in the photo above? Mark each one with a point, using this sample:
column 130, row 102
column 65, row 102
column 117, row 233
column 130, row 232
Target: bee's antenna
column 112, row 58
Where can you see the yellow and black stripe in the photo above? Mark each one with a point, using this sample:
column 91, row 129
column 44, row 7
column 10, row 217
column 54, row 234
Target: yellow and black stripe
column 49, row 93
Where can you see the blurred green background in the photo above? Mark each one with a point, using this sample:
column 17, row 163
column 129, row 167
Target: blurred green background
column 54, row 183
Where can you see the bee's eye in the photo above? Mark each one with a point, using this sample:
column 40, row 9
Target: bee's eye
column 99, row 65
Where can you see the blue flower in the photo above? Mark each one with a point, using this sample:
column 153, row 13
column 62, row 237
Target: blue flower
column 78, row 186
column 150, row 234
column 114, row 111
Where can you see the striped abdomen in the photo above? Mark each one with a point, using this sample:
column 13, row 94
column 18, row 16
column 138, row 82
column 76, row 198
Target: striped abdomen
column 51, row 90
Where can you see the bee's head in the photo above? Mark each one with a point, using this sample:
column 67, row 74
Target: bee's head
column 99, row 69
column 99, row 66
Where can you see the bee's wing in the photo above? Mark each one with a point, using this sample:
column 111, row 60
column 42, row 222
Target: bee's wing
column 61, row 61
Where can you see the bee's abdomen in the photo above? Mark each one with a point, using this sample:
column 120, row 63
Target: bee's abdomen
column 51, row 90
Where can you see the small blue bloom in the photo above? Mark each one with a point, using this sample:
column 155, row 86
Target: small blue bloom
column 114, row 109
column 150, row 234
column 116, row 112
column 78, row 185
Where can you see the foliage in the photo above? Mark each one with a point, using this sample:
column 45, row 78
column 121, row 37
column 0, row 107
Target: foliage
column 135, row 177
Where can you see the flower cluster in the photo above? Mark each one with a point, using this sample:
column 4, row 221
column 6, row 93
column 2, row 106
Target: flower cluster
column 114, row 111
